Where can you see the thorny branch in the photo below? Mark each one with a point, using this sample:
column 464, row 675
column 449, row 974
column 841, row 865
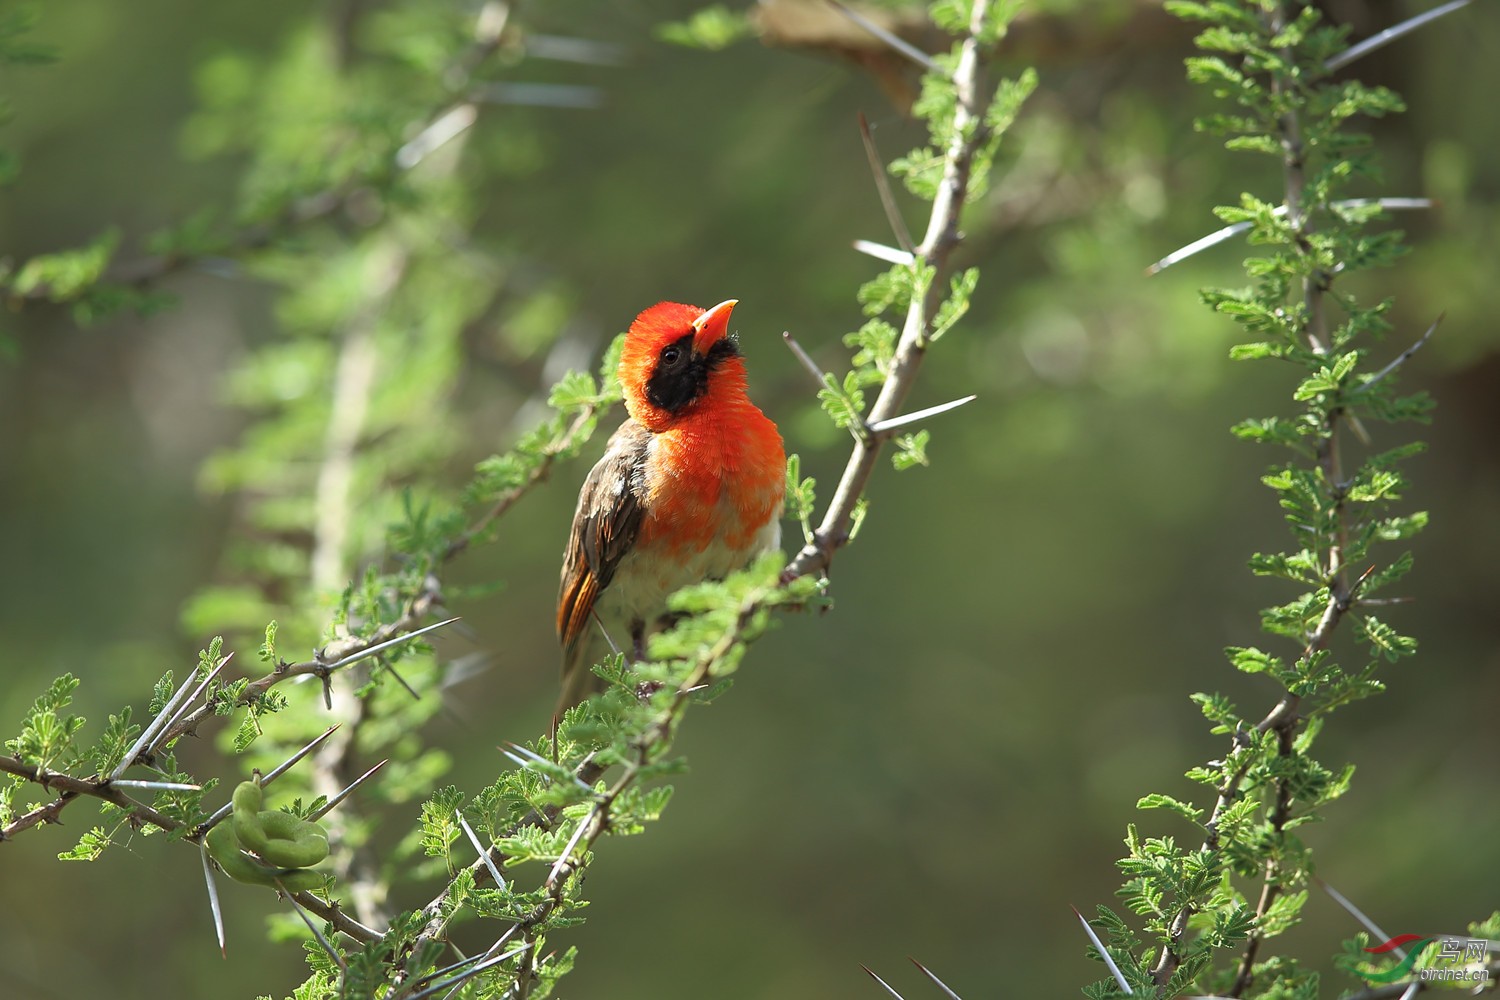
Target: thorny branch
column 1284, row 719
column 70, row 788
column 344, row 652
column 139, row 814
column 942, row 236
column 656, row 735
column 143, row 272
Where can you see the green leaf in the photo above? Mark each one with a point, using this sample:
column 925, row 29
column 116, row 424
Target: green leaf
column 911, row 450
column 573, row 392
column 64, row 276
column 89, row 846
column 956, row 304
column 1249, row 660
column 1186, row 810
column 712, row 29
column 844, row 403
column 268, row 646
column 46, row 735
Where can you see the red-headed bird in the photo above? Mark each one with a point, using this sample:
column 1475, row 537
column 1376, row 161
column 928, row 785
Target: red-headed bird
column 689, row 489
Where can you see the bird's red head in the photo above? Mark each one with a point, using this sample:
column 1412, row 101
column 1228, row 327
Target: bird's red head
column 674, row 357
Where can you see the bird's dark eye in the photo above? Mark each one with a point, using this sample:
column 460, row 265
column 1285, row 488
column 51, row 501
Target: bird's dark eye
column 671, row 355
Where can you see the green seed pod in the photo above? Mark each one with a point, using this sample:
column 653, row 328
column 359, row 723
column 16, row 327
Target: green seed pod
column 284, row 845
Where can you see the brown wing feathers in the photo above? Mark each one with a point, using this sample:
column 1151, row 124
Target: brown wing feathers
column 605, row 527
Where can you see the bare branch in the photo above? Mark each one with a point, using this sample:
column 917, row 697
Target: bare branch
column 800, row 353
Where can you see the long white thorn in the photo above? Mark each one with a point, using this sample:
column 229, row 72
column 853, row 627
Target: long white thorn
column 157, row 724
column 329, row 806
column 1389, row 35
column 213, row 898
column 896, row 42
column 567, row 853
column 882, row 252
column 480, row 849
column 1109, row 961
column 881, row 426
column 1219, row 236
column 383, row 646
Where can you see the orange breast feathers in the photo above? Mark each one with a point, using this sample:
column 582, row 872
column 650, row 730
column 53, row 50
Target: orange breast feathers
column 717, row 477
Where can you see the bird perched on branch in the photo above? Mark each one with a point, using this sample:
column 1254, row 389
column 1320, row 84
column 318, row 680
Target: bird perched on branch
column 690, row 488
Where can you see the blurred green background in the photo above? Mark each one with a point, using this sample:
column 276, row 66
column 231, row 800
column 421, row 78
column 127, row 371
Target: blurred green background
column 942, row 764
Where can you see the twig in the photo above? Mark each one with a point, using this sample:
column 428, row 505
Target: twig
column 538, row 474
column 596, row 822
column 335, row 915
column 940, row 238
column 70, row 789
column 800, row 353
column 942, row 235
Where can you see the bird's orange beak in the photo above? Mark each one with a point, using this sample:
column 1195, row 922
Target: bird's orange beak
column 709, row 328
